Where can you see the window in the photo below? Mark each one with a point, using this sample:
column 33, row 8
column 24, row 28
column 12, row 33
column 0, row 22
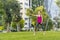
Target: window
column 25, row 23
column 21, row 14
column 21, row 3
column 26, row 4
column 21, row 8
column 25, row 8
column 26, row 18
column 29, row 2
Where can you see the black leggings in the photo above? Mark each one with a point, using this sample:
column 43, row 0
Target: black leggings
column 38, row 26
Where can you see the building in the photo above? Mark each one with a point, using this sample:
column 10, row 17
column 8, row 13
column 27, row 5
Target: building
column 51, row 8
column 47, row 4
column 24, row 5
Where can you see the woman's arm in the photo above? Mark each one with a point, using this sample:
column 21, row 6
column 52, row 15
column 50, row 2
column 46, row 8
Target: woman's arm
column 34, row 15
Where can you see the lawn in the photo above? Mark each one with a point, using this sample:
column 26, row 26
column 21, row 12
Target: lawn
column 49, row 35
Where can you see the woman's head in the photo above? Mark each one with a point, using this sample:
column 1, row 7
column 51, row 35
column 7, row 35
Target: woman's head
column 39, row 12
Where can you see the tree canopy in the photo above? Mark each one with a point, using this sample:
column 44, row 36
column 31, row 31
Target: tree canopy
column 58, row 3
column 10, row 10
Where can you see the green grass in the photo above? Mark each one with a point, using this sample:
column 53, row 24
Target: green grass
column 50, row 35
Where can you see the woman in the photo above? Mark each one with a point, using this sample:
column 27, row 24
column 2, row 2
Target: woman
column 39, row 20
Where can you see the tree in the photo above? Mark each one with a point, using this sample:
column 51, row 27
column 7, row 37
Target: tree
column 21, row 24
column 36, row 3
column 9, row 9
column 17, row 19
column 58, row 3
column 57, row 18
column 28, row 13
column 1, row 12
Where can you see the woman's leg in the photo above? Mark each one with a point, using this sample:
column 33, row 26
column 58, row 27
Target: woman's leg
column 35, row 28
column 43, row 27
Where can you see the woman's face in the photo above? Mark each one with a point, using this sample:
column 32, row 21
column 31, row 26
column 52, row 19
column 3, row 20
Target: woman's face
column 39, row 12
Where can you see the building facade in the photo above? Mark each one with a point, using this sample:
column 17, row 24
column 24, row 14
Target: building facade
column 51, row 8
column 24, row 5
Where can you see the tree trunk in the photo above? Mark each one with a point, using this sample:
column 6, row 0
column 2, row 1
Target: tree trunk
column 47, row 24
column 8, row 27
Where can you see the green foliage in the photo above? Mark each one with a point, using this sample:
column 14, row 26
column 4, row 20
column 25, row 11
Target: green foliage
column 40, row 8
column 1, row 4
column 13, row 8
column 16, row 18
column 1, row 27
column 21, row 23
column 29, row 12
column 13, row 24
column 50, row 24
column 58, row 3
column 36, row 3
column 8, row 9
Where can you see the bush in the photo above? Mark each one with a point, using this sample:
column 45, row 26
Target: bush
column 21, row 23
column 1, row 28
column 50, row 25
column 14, row 24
